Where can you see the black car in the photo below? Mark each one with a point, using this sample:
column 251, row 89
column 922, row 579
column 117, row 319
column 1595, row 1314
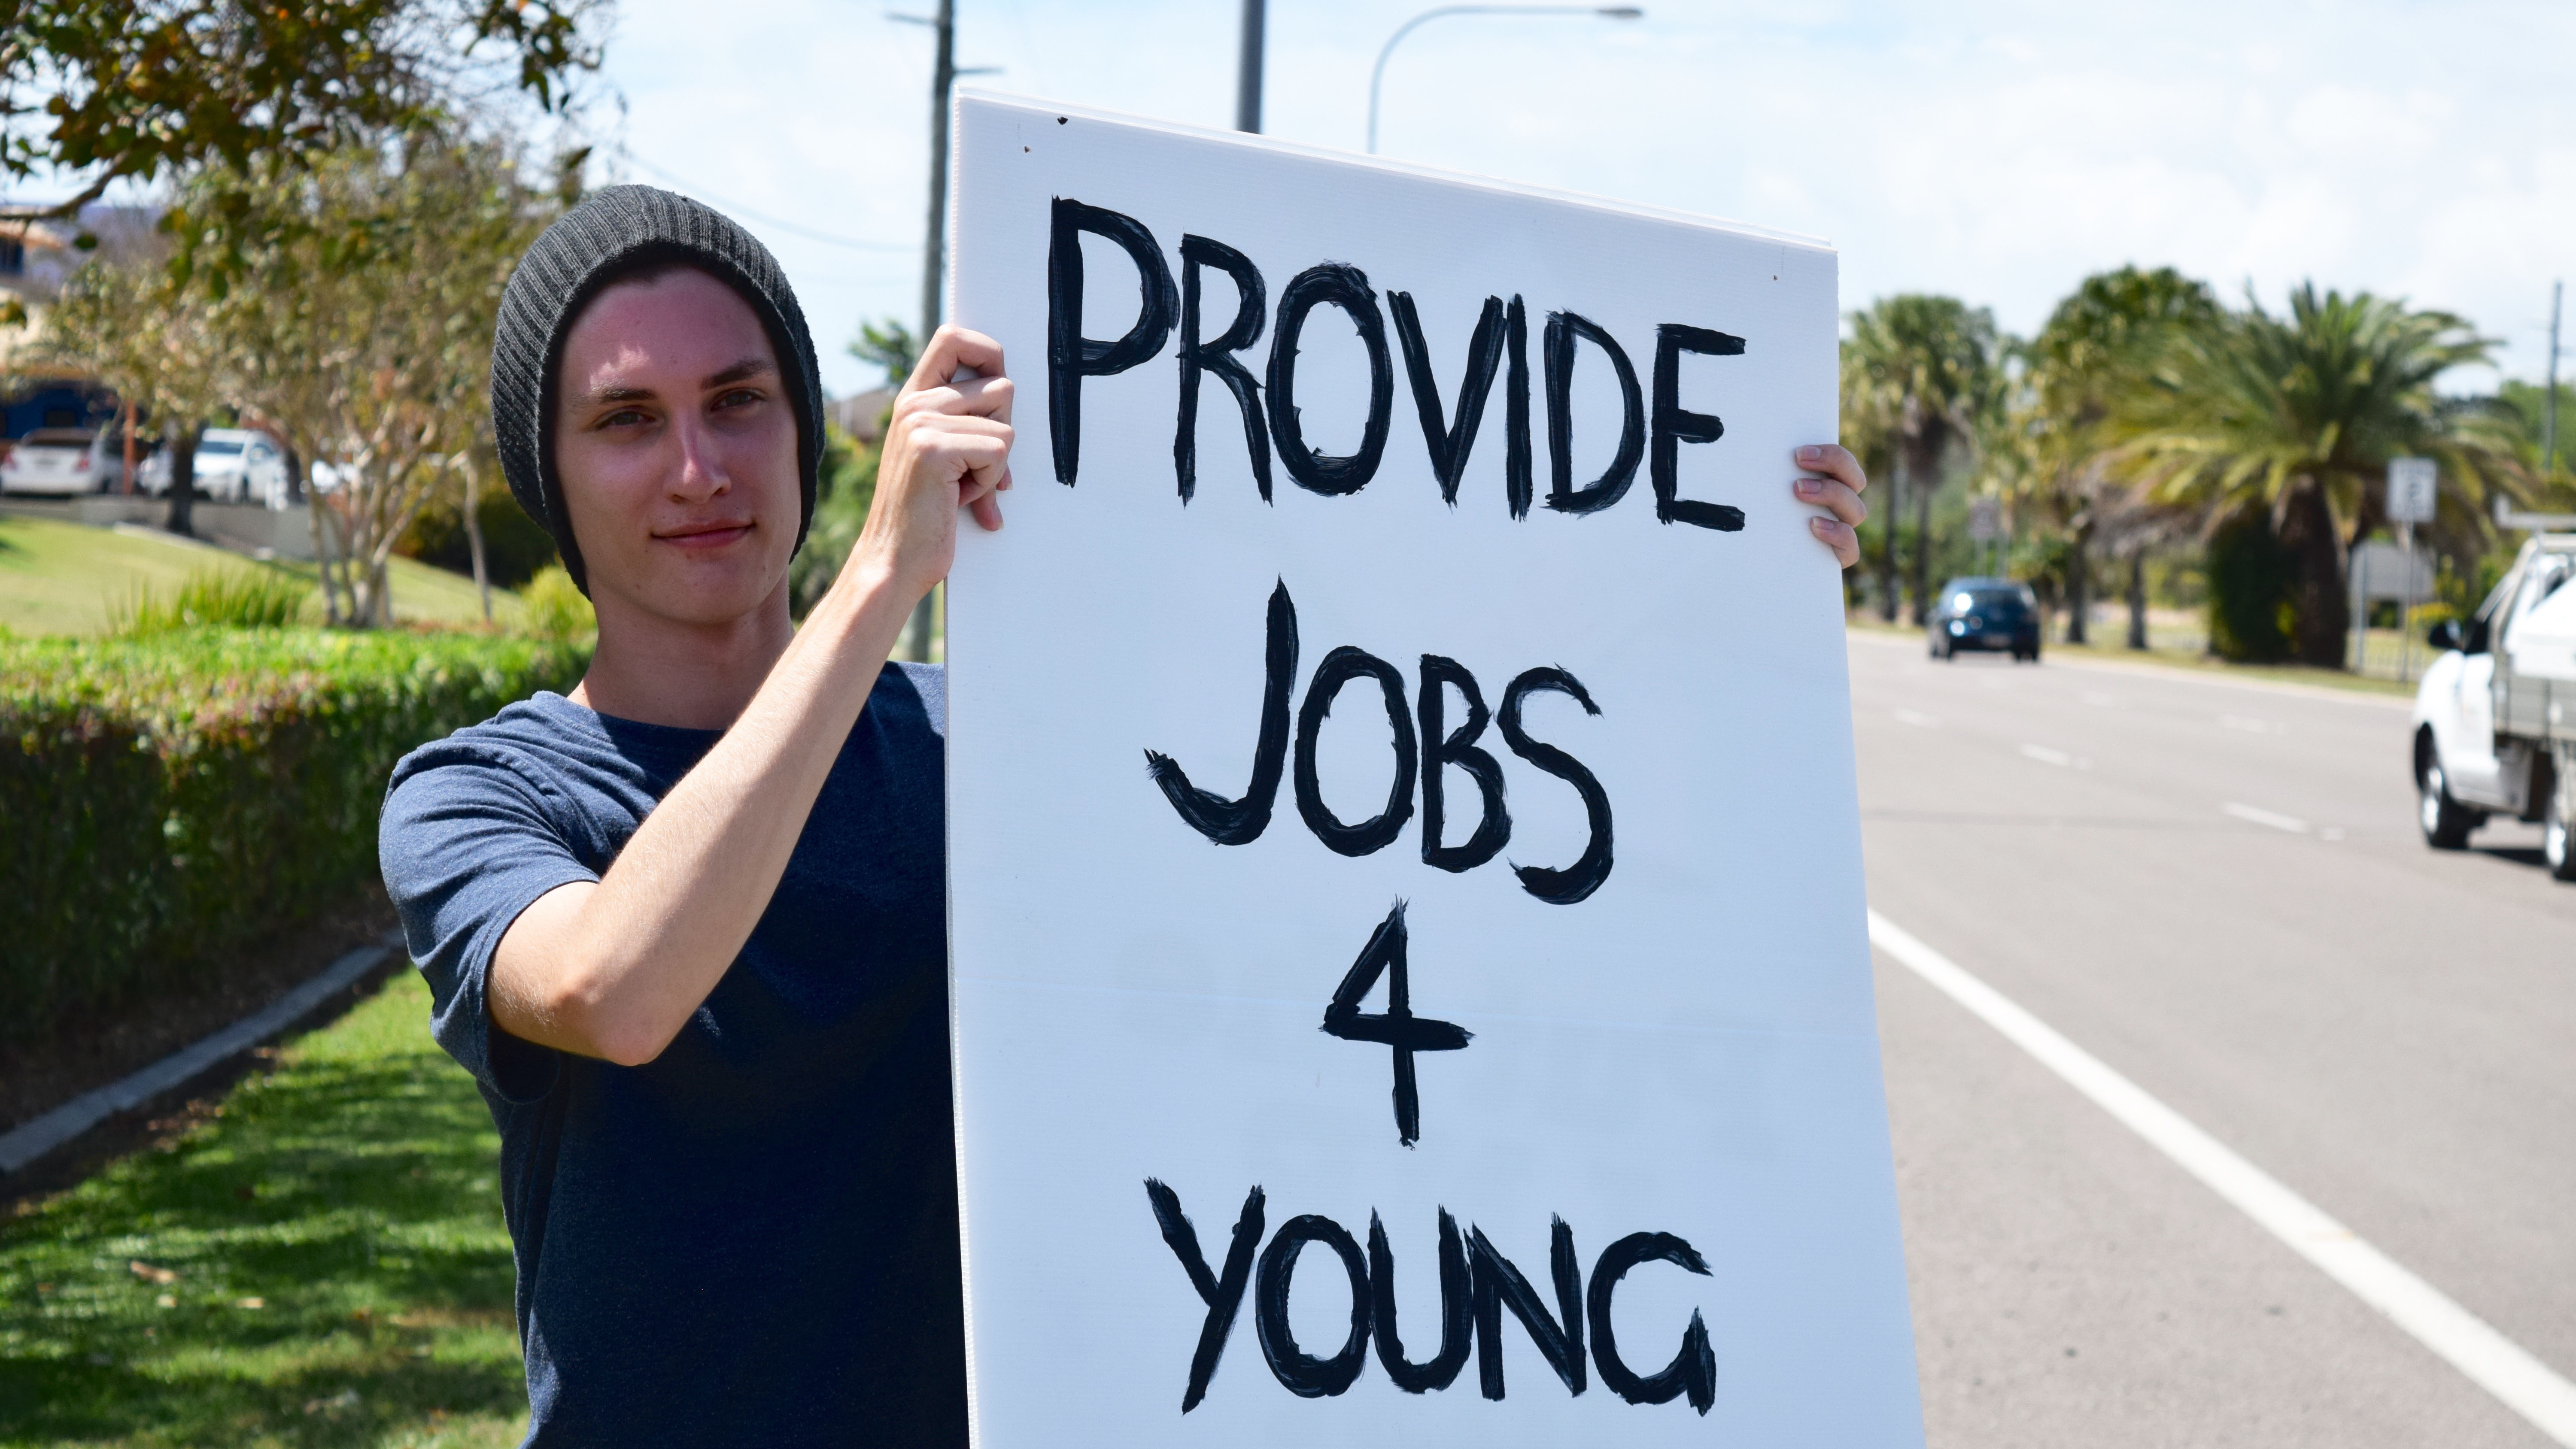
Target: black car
column 1979, row 613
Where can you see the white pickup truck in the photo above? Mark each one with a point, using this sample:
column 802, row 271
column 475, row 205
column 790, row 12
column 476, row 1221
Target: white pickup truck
column 2495, row 718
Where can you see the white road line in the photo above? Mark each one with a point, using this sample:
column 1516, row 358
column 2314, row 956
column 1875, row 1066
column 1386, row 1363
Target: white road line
column 2460, row 1338
column 2260, row 816
column 2059, row 758
column 2247, row 723
column 1917, row 717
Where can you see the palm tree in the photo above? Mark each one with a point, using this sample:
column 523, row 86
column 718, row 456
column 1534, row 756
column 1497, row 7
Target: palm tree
column 1918, row 373
column 2299, row 414
column 2092, row 352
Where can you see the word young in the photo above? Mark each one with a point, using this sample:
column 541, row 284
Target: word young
column 1500, row 343
column 1241, row 821
column 1476, row 1285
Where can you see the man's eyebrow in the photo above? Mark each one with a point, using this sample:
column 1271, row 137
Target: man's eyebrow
column 601, row 397
column 744, row 370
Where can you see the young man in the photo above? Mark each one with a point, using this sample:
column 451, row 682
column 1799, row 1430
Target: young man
column 686, row 926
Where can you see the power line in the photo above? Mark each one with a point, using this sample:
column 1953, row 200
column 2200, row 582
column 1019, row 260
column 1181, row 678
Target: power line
column 789, row 227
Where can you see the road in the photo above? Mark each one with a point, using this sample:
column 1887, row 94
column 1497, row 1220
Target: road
column 2217, row 889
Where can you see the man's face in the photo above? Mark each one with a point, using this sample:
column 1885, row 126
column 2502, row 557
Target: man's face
column 676, row 445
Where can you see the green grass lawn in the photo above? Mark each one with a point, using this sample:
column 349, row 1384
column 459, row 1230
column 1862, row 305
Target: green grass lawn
column 2195, row 661
column 60, row 577
column 340, row 1274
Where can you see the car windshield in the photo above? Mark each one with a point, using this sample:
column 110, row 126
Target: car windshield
column 55, row 438
column 220, row 447
column 1998, row 600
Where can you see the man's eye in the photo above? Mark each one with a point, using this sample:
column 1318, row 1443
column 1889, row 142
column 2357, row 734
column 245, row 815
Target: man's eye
column 623, row 418
column 737, row 397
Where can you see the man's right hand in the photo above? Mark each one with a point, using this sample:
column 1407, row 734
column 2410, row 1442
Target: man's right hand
column 948, row 448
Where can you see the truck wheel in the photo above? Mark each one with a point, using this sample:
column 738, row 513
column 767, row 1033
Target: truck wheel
column 2446, row 821
column 2554, row 845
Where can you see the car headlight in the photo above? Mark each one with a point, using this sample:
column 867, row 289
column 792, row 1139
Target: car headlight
column 1958, row 626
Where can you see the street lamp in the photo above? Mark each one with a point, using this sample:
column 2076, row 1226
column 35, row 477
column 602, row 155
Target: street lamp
column 1378, row 75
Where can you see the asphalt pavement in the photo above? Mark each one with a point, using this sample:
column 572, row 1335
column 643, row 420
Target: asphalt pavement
column 2216, row 888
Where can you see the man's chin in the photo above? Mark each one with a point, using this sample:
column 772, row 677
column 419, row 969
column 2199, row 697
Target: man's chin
column 704, row 597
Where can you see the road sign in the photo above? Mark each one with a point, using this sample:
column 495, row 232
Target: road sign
column 1985, row 519
column 2413, row 488
column 1405, row 887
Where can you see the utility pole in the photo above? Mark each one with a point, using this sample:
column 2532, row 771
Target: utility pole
column 1247, row 75
column 934, row 251
column 934, row 255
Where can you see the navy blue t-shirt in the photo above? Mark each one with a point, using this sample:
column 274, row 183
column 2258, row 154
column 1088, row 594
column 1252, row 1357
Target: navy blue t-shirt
column 751, row 1239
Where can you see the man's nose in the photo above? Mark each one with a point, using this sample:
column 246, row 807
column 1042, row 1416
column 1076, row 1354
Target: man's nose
column 702, row 472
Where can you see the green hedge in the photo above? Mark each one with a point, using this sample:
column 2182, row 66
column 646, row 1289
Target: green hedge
column 163, row 799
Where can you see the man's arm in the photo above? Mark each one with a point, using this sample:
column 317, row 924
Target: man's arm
column 614, row 968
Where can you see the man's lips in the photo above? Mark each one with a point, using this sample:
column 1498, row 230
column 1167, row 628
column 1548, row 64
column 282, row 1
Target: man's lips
column 709, row 535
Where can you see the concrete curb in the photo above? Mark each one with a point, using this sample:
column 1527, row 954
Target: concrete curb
column 34, row 1140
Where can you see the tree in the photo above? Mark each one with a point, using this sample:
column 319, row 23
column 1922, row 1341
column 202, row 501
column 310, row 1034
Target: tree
column 2093, row 352
column 890, row 345
column 361, row 327
column 125, row 321
column 140, row 90
column 2531, row 402
column 2299, row 414
column 1919, row 372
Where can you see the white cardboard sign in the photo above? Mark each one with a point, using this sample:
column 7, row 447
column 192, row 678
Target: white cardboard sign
column 1410, row 969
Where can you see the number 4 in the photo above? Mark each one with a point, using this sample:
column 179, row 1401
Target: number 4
column 1398, row 1027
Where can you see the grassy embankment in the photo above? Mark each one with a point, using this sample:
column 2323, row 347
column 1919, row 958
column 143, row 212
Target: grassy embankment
column 2199, row 662
column 59, row 577
column 321, row 1262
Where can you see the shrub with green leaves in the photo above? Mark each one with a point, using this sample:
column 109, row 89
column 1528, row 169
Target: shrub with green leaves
column 554, row 607
column 225, row 598
column 171, row 795
column 2251, row 578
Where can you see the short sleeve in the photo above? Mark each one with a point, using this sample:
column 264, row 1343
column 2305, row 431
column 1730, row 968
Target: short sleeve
column 930, row 685
column 466, row 843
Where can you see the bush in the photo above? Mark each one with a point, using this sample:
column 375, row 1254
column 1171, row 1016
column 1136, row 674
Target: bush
column 552, row 607
column 237, row 598
column 171, row 796
column 847, row 486
column 2250, row 579
column 515, row 546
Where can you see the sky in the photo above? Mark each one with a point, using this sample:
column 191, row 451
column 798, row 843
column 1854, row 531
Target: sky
column 1994, row 150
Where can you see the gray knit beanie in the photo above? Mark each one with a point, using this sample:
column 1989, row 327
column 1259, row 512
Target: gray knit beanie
column 613, row 234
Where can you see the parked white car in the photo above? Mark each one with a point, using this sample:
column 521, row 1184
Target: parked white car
column 234, row 465
column 2495, row 718
column 64, row 461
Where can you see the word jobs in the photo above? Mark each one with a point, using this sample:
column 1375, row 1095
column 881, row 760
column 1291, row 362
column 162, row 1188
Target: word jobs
column 1426, row 749
column 1499, row 344
column 1477, row 1284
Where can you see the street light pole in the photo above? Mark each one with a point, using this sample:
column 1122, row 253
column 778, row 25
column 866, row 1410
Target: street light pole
column 2549, row 408
column 1378, row 75
column 1247, row 76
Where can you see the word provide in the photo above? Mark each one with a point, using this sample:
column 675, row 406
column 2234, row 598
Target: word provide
column 1500, row 343
column 1476, row 1285
column 1240, row 821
